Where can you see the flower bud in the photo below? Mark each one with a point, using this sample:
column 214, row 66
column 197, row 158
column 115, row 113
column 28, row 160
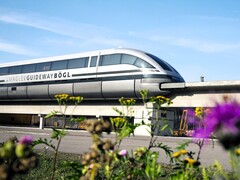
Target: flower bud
column 7, row 150
column 20, row 150
column 123, row 152
column 26, row 139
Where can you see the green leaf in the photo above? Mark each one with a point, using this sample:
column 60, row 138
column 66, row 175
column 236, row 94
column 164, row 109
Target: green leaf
column 184, row 144
column 168, row 150
column 51, row 114
column 204, row 173
column 78, row 119
column 44, row 141
column 164, row 127
column 56, row 134
column 118, row 111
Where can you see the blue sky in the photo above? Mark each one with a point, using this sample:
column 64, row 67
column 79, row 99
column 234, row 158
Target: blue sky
column 198, row 38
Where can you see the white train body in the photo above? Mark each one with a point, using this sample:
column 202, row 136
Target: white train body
column 107, row 74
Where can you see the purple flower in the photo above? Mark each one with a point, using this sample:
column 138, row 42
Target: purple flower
column 26, row 139
column 223, row 119
column 190, row 116
column 123, row 152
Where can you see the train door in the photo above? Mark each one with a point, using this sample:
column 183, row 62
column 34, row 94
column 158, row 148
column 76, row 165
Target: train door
column 116, row 79
column 91, row 88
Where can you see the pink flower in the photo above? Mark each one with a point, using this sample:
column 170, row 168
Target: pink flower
column 91, row 166
column 26, row 139
column 123, row 152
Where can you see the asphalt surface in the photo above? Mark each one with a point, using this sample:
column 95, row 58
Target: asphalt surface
column 78, row 142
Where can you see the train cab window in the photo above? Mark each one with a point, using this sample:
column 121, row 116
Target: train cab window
column 160, row 62
column 57, row 65
column 93, row 62
column 15, row 70
column 110, row 59
column 128, row 59
column 43, row 67
column 4, row 71
column 142, row 64
column 78, row 63
column 29, row 68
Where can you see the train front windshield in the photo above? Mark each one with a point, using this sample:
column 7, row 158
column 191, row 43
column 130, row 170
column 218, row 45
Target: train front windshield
column 163, row 64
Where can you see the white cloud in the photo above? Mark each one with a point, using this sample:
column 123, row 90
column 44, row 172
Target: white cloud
column 218, row 18
column 85, row 32
column 196, row 44
column 204, row 46
column 15, row 49
column 108, row 42
column 51, row 24
column 67, row 42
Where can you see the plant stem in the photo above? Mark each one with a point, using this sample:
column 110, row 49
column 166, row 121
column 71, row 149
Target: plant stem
column 55, row 158
column 58, row 144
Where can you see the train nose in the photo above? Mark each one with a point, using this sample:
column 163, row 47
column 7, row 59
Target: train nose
column 152, row 85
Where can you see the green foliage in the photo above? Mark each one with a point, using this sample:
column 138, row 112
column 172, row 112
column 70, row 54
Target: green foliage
column 78, row 119
column 127, row 130
column 204, row 174
column 106, row 159
column 127, row 102
column 52, row 114
column 75, row 167
column 63, row 100
column 64, row 166
column 44, row 141
column 16, row 157
column 217, row 172
column 153, row 169
column 57, row 134
column 104, row 163
column 118, row 123
column 168, row 150
column 184, row 144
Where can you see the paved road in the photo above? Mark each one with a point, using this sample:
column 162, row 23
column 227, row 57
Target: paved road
column 80, row 141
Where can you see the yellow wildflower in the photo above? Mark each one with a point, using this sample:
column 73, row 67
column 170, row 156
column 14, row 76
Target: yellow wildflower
column 237, row 151
column 127, row 102
column 176, row 154
column 191, row 161
column 199, row 111
column 183, row 151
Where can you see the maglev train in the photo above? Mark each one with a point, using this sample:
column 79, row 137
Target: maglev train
column 103, row 75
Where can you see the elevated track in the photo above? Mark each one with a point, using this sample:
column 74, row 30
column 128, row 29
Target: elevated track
column 183, row 95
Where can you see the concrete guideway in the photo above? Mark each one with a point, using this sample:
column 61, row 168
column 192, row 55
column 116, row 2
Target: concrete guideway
column 141, row 112
column 184, row 95
column 201, row 85
column 79, row 142
column 201, row 94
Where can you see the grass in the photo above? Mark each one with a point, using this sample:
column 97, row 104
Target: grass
column 65, row 171
column 44, row 169
column 45, row 165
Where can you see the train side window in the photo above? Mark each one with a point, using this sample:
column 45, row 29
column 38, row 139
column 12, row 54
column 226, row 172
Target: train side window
column 78, row 63
column 4, row 71
column 142, row 64
column 29, row 68
column 57, row 65
column 128, row 59
column 43, row 67
column 110, row 59
column 15, row 70
column 93, row 62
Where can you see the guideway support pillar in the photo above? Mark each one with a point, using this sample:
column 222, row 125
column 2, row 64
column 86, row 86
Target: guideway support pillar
column 139, row 116
column 41, row 124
